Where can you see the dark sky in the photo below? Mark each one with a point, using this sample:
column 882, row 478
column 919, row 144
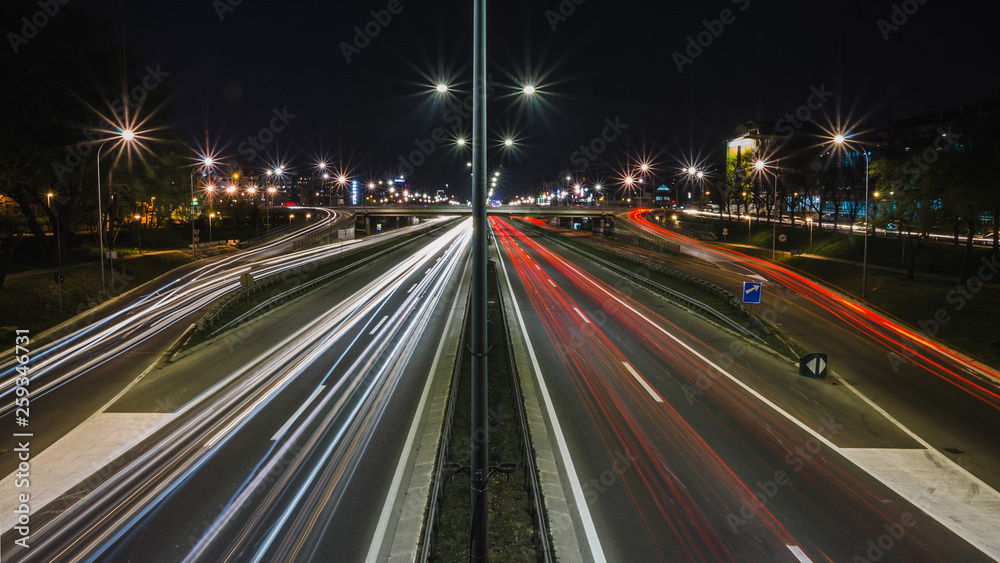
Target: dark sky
column 605, row 61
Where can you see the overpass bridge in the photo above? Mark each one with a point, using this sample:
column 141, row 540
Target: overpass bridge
column 590, row 218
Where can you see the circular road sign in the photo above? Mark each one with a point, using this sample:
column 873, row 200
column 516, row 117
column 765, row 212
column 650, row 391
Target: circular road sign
column 725, row 231
column 782, row 238
column 59, row 279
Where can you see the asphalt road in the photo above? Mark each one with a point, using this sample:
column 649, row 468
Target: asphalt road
column 282, row 436
column 690, row 444
column 950, row 401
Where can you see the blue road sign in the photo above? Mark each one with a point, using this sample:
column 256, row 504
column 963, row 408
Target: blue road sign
column 752, row 292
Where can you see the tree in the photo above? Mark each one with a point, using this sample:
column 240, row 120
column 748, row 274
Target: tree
column 65, row 91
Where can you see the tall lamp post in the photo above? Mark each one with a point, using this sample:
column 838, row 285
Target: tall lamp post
column 48, row 203
column 126, row 135
column 759, row 167
column 206, row 163
column 841, row 140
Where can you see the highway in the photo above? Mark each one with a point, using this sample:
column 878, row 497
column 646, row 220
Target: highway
column 683, row 442
column 677, row 439
column 273, row 442
column 949, row 399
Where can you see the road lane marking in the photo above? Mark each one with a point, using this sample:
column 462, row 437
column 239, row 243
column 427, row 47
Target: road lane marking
column 552, row 282
column 288, row 423
column 585, row 319
column 590, row 531
column 976, row 521
column 374, row 330
column 799, row 554
column 404, row 457
column 642, row 381
column 412, row 288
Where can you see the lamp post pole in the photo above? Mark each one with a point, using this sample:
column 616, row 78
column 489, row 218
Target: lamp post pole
column 774, row 207
column 194, row 251
column 100, row 215
column 864, row 261
column 479, row 548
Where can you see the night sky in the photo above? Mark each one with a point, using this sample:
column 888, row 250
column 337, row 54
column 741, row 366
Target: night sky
column 232, row 68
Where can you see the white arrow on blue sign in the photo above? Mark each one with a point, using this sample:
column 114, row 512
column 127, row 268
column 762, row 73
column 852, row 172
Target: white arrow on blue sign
column 752, row 292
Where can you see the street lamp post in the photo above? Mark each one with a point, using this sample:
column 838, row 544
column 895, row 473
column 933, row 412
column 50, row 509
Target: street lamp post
column 138, row 231
column 126, row 135
column 48, row 204
column 810, row 221
column 841, row 140
column 210, row 217
column 270, row 202
column 206, row 162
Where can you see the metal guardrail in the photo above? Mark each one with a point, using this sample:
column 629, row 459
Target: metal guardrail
column 736, row 305
column 233, row 298
column 669, row 246
column 543, row 544
column 676, row 295
column 433, row 520
column 284, row 296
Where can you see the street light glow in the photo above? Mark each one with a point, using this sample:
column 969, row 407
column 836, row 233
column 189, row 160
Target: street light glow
column 529, row 89
column 508, row 142
column 128, row 134
column 441, row 88
column 839, row 139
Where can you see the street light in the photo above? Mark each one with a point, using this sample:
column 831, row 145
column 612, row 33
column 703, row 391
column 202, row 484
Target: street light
column 48, row 203
column 759, row 167
column 206, row 164
column 270, row 201
column 138, row 230
column 127, row 135
column 841, row 140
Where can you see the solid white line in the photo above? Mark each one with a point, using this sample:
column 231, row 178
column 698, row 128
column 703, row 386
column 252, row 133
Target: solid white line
column 585, row 319
column 288, row 423
column 374, row 330
column 412, row 288
column 552, row 282
column 596, row 551
column 404, row 457
column 643, row 382
column 799, row 554
column 537, row 266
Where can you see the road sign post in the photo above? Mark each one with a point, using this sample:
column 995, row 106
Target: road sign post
column 813, row 365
